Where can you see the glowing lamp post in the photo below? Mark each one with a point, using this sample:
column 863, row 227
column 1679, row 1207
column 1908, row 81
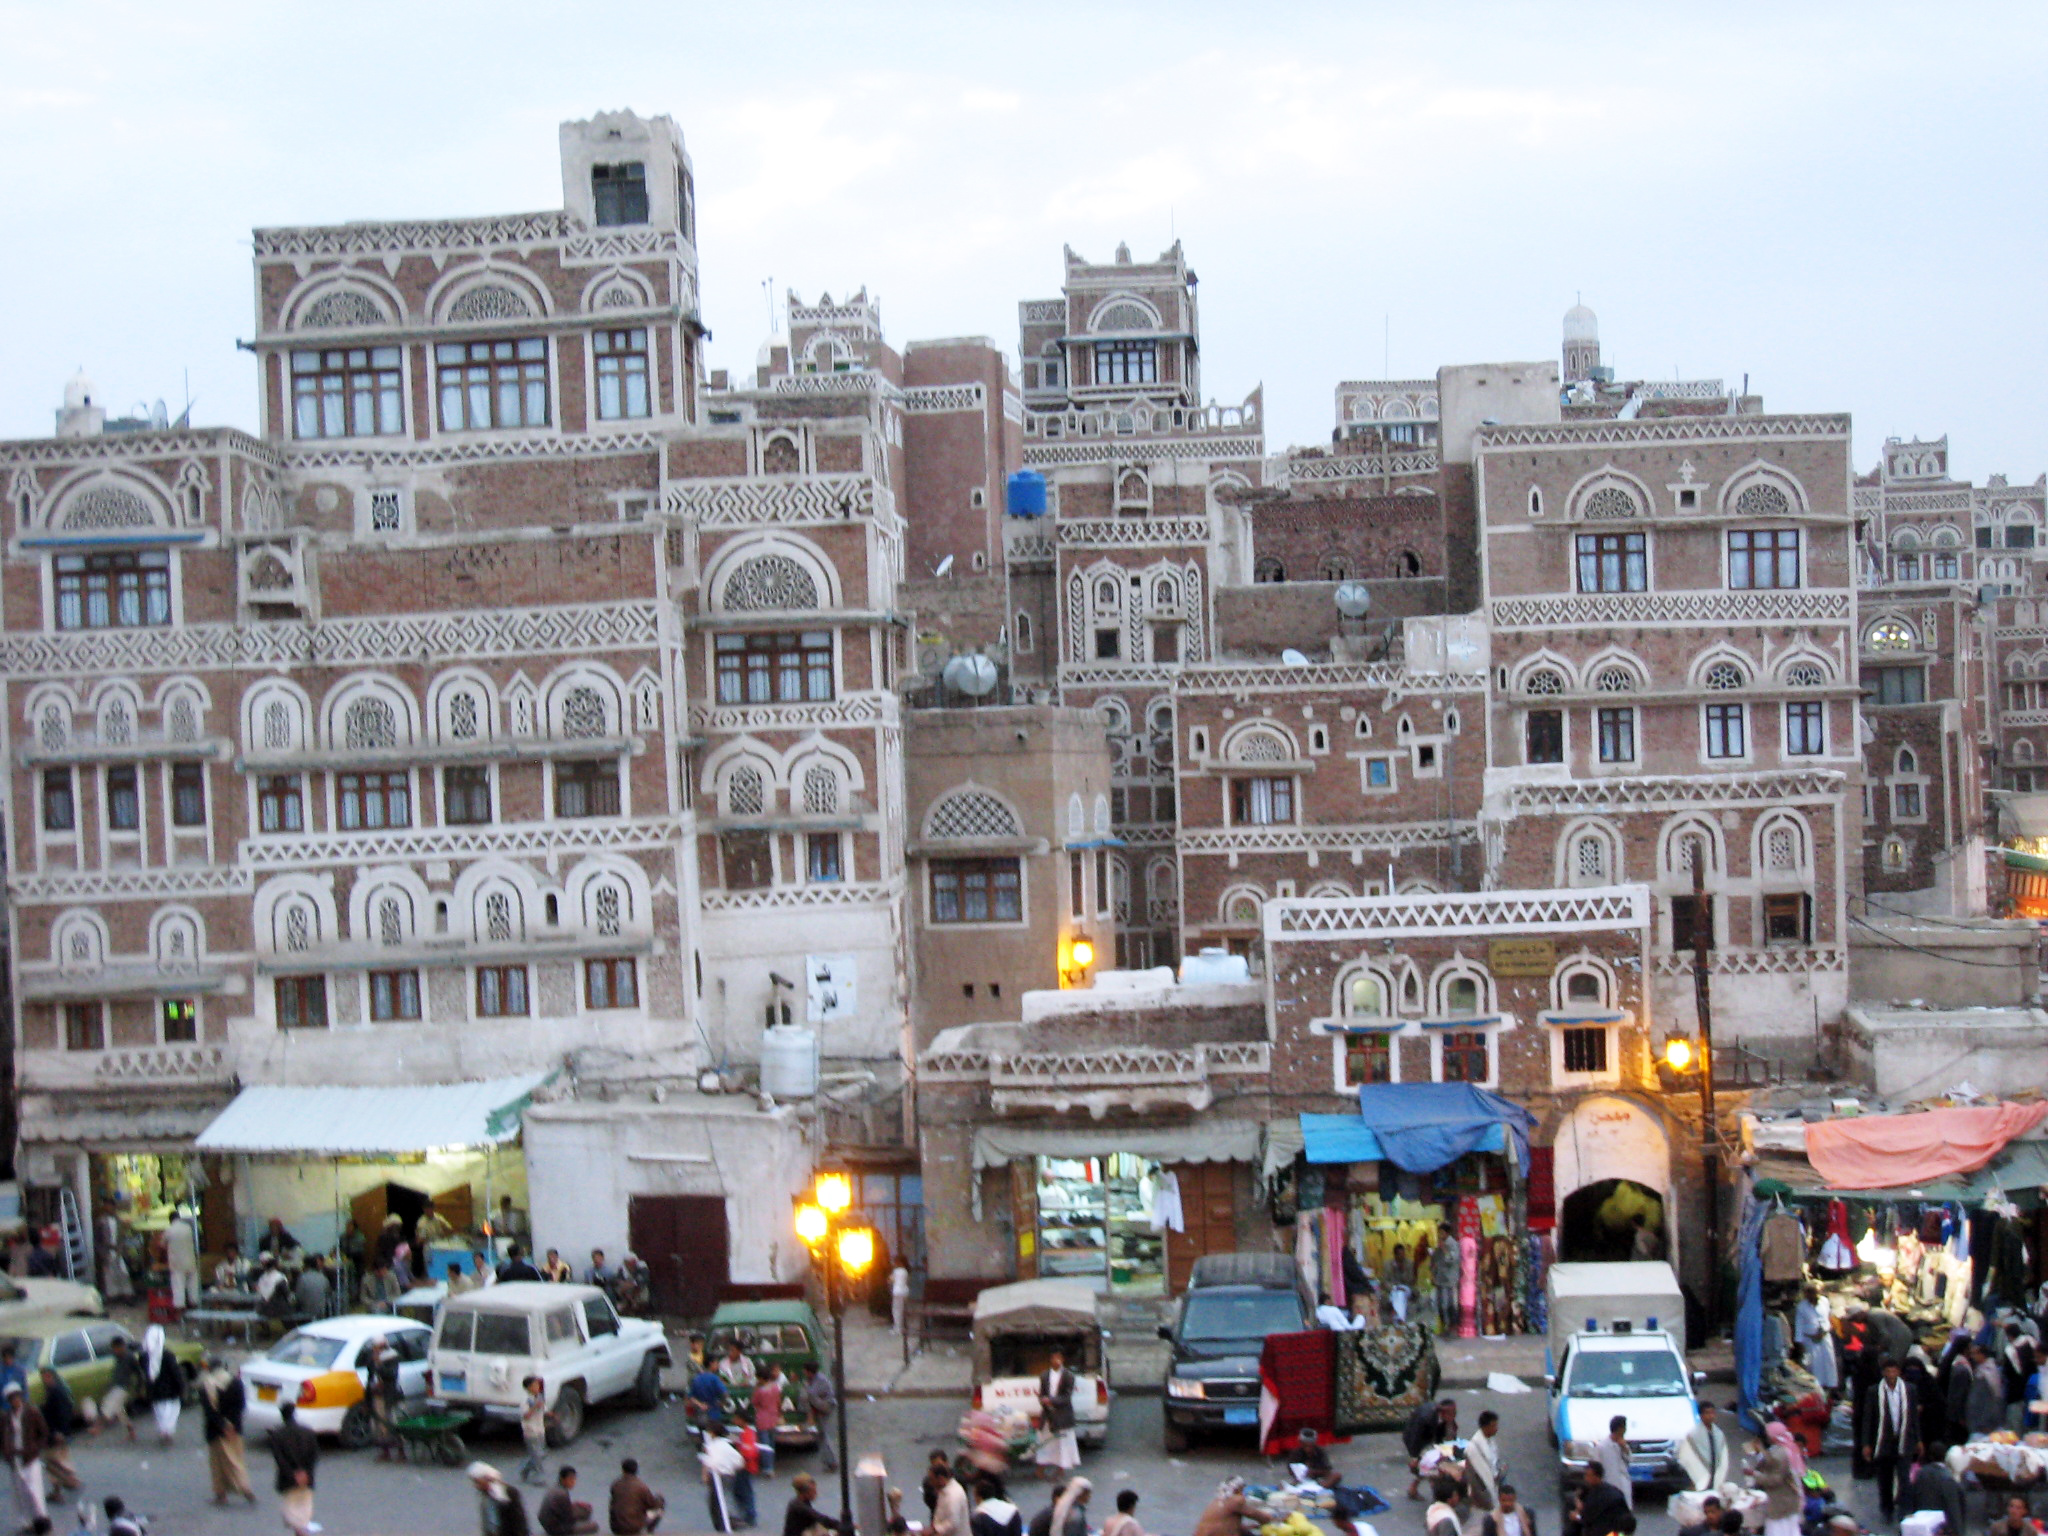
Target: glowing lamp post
column 846, row 1252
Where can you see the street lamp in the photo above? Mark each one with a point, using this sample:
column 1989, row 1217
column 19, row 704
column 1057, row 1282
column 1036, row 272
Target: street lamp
column 846, row 1251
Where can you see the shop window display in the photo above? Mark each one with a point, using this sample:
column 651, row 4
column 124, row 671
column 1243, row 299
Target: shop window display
column 1095, row 1221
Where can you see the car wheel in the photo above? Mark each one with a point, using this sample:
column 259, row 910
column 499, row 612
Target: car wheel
column 356, row 1427
column 1176, row 1439
column 568, row 1416
column 647, row 1387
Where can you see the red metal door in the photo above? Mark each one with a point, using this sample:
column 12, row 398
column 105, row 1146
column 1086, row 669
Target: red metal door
column 684, row 1242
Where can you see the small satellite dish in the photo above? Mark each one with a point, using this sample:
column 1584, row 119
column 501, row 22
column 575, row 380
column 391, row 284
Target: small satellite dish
column 1354, row 599
column 974, row 676
column 1293, row 658
column 943, row 566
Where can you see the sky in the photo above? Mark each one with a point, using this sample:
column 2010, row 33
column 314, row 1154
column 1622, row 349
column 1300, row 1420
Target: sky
column 1843, row 202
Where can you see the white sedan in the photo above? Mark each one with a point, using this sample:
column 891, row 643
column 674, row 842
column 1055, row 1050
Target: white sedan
column 324, row 1367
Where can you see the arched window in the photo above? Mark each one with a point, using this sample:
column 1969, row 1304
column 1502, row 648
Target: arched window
column 1268, row 568
column 390, row 920
column 278, row 723
column 769, row 582
column 605, row 909
column 369, row 724
column 1023, row 634
column 1762, row 499
column 53, row 727
column 976, row 813
column 1907, row 762
column 1890, row 635
column 583, row 712
column 1615, row 679
column 745, row 791
column 1589, row 858
column 779, row 456
column 1725, row 674
column 821, row 790
column 1365, row 996
column 1806, row 674
column 1894, row 855
column 463, row 716
column 498, row 917
column 181, row 716
column 117, row 722
column 1584, row 987
column 1543, row 680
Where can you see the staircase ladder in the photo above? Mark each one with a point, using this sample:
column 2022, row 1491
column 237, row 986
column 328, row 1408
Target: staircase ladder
column 77, row 1263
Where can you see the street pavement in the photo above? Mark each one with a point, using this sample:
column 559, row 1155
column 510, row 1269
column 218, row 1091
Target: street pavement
column 357, row 1494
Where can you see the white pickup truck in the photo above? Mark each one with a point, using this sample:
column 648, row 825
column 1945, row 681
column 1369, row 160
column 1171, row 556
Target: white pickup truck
column 488, row 1342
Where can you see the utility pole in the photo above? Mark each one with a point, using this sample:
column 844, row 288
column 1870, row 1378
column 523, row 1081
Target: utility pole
column 1710, row 1143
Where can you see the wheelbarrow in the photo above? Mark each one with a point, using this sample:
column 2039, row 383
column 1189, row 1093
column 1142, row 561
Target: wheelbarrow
column 438, row 1435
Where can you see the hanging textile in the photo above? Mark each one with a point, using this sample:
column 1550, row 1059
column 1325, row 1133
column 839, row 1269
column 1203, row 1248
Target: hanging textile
column 1542, row 1190
column 1448, row 1266
column 1535, row 1281
column 1468, row 1286
column 1333, row 1256
column 1380, row 1376
column 1749, row 1319
column 1297, row 1386
column 1167, row 1215
column 1782, row 1247
column 1835, row 1250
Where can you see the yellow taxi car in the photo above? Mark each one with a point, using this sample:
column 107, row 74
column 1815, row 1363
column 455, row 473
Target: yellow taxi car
column 324, row 1367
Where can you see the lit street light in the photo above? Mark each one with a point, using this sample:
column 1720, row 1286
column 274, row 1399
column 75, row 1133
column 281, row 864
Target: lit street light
column 846, row 1253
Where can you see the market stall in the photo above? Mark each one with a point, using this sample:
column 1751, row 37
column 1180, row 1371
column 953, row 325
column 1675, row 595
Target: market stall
column 1423, row 1193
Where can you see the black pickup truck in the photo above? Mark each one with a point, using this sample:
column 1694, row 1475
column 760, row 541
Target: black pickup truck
column 1233, row 1301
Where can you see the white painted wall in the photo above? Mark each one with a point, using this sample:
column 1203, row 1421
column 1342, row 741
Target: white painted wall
column 585, row 1160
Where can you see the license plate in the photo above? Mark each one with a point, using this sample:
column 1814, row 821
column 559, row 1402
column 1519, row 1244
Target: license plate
column 1641, row 1474
column 1240, row 1415
column 266, row 1394
column 448, row 1383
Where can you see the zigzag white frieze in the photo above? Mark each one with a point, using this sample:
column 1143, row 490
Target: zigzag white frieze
column 868, row 708
column 1381, row 837
column 130, row 884
column 1660, row 793
column 740, row 503
column 1685, row 429
column 1785, row 960
column 1482, row 912
column 1144, row 450
column 938, row 399
column 338, row 642
column 543, row 445
column 1594, row 610
column 1125, row 532
column 804, row 898
column 512, row 839
column 364, row 239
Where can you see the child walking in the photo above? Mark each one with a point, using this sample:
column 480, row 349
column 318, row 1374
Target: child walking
column 533, row 1426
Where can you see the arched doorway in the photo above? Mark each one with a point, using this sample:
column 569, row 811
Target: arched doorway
column 1596, row 1222
column 1609, row 1143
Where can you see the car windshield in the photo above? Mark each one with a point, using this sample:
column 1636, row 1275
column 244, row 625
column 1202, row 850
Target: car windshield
column 1626, row 1373
column 304, row 1349
column 1212, row 1317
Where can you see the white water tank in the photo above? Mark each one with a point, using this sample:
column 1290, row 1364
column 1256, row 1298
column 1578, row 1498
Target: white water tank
column 789, row 1061
column 1214, row 966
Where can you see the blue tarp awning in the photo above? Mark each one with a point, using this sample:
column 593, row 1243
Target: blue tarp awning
column 1419, row 1127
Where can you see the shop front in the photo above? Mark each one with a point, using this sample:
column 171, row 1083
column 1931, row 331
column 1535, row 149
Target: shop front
column 1423, row 1193
column 332, row 1165
column 1126, row 1209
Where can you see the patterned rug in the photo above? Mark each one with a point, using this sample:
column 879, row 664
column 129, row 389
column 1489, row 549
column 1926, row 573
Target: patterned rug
column 1382, row 1373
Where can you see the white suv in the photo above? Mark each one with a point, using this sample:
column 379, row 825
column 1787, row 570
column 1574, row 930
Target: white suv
column 488, row 1342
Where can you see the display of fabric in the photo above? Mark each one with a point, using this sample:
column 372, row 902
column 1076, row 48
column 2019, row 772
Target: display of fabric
column 1535, row 1281
column 1897, row 1151
column 1468, row 1286
column 1446, row 1281
column 1381, row 1375
column 1783, row 1247
column 1297, row 1385
column 1835, row 1250
column 1749, row 1319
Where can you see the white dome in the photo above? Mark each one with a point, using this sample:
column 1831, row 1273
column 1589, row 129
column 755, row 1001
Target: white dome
column 78, row 393
column 1581, row 324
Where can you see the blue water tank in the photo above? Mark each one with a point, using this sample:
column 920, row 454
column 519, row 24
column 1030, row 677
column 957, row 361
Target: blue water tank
column 1027, row 494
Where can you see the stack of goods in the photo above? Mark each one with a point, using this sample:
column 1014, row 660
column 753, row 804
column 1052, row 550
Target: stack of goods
column 994, row 1438
column 2004, row 1455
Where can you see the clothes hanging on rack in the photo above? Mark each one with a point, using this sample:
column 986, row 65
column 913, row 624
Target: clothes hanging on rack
column 1468, row 1286
column 1781, row 1247
column 1836, row 1252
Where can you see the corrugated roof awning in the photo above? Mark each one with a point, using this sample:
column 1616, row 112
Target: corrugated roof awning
column 351, row 1122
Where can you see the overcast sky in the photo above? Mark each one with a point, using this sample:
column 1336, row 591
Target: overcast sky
column 1844, row 202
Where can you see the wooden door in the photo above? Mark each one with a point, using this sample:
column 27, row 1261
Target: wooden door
column 684, row 1242
column 457, row 1207
column 217, row 1208
column 1208, row 1205
column 367, row 1211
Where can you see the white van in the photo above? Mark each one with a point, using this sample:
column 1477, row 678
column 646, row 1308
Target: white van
column 488, row 1342
column 1617, row 1346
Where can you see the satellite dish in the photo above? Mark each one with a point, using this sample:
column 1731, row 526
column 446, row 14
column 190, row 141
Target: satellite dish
column 974, row 676
column 1354, row 599
column 943, row 566
column 1293, row 658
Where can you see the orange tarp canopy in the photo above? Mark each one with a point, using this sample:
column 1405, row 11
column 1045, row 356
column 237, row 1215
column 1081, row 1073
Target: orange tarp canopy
column 1899, row 1151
